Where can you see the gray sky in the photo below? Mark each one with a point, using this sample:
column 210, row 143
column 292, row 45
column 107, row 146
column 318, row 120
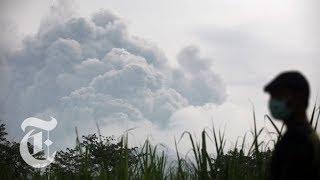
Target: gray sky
column 247, row 42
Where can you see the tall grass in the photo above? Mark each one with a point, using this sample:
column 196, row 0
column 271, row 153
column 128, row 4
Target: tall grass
column 245, row 161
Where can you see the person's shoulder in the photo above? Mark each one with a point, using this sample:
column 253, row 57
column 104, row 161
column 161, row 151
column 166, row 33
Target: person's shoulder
column 300, row 133
column 300, row 138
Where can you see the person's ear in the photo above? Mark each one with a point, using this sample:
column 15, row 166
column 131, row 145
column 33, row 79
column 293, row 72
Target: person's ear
column 291, row 101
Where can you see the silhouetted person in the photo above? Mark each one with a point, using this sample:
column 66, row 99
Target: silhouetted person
column 296, row 155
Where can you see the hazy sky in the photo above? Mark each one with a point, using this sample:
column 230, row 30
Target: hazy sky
column 219, row 56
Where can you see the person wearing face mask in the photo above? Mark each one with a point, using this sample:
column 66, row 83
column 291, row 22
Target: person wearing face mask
column 297, row 154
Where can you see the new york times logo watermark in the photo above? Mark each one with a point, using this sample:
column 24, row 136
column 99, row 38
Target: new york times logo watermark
column 37, row 141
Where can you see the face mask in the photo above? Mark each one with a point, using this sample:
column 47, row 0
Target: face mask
column 279, row 109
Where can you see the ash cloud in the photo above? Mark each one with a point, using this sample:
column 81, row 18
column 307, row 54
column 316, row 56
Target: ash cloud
column 88, row 70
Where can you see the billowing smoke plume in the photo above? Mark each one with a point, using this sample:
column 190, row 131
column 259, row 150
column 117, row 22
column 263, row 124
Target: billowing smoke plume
column 87, row 70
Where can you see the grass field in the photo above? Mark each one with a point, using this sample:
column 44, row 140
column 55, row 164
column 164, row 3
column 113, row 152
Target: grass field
column 99, row 157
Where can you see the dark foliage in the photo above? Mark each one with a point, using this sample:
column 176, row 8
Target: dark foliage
column 90, row 158
column 12, row 165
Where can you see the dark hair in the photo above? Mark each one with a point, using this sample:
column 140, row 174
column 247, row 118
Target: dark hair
column 295, row 82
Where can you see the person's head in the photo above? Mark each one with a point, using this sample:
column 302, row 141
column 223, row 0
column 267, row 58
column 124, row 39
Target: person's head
column 289, row 95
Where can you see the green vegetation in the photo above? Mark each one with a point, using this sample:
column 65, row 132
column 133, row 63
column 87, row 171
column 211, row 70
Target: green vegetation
column 99, row 157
